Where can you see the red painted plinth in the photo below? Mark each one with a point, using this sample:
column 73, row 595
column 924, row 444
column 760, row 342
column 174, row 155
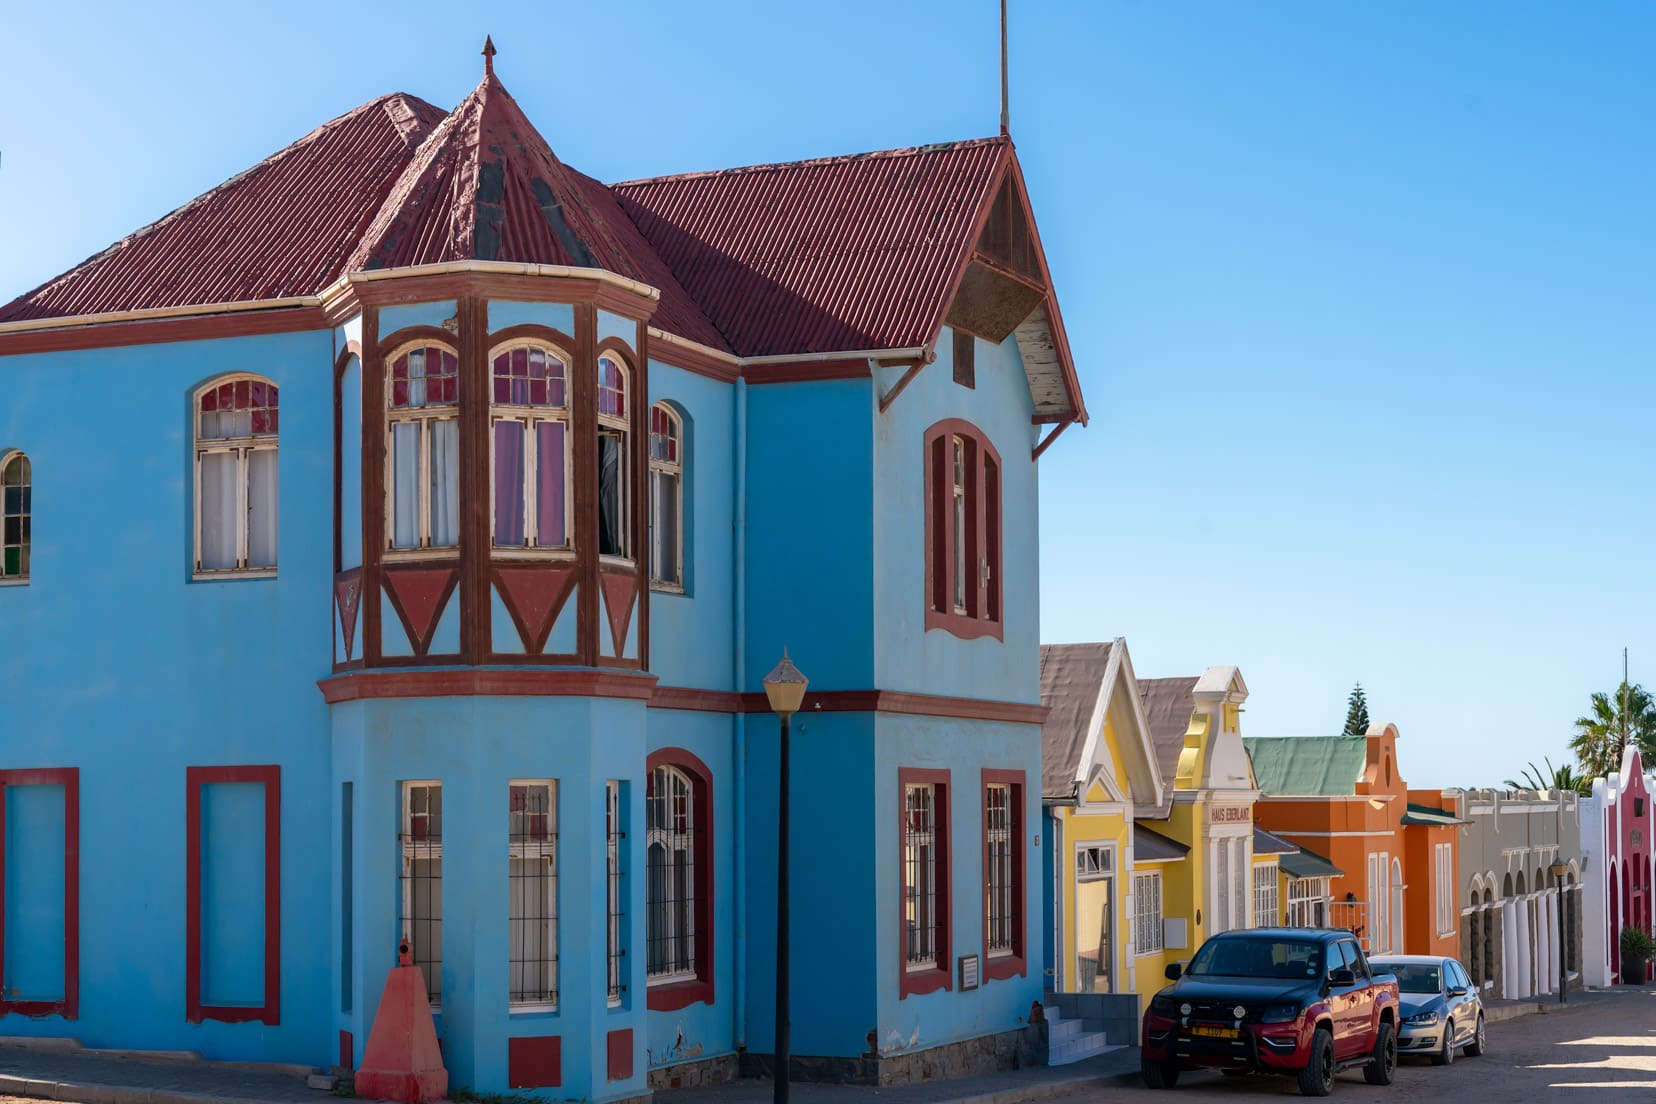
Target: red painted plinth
column 402, row 1061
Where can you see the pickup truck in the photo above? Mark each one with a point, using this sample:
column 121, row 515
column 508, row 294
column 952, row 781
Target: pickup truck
column 1296, row 1001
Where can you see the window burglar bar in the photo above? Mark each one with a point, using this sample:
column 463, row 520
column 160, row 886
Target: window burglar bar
column 669, row 807
column 997, row 827
column 532, row 933
column 422, row 881
column 612, row 865
column 920, row 875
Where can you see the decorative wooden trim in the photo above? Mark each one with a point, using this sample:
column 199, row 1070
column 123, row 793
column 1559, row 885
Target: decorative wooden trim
column 476, row 395
column 692, row 359
column 671, row 996
column 271, row 1011
column 1046, row 442
column 207, row 327
column 487, row 682
column 532, row 331
column 424, row 335
column 701, row 701
column 534, row 637
column 987, row 614
column 520, row 287
column 808, row 371
column 421, row 638
column 69, row 779
column 641, row 500
column 1016, row 963
column 583, row 415
column 914, row 982
column 373, row 481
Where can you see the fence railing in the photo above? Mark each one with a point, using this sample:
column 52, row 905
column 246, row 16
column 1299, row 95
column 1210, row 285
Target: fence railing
column 1353, row 916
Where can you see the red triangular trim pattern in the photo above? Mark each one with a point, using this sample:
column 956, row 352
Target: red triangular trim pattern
column 534, row 596
column 348, row 598
column 419, row 595
column 618, row 604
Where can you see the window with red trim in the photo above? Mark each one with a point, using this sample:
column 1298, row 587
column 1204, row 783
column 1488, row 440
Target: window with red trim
column 35, row 981
column 963, row 531
column 217, row 985
column 924, row 870
column 678, row 894
column 1003, row 874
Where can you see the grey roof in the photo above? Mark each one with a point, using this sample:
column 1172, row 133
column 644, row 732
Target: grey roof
column 1150, row 845
column 1308, row 864
column 1267, row 844
column 1168, row 704
column 1430, row 814
column 1071, row 677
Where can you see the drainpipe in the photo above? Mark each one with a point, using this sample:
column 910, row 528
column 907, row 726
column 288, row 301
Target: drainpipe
column 738, row 720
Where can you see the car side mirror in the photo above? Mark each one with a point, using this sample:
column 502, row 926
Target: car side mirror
column 1173, row 971
column 1342, row 978
column 1458, row 991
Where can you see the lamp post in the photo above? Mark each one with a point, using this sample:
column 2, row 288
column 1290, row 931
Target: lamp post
column 1558, row 870
column 785, row 689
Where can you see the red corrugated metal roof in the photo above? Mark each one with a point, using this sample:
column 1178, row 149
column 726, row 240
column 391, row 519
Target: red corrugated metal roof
column 283, row 228
column 821, row 256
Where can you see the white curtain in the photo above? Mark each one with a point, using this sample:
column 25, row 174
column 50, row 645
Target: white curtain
column 218, row 510
column 528, row 930
column 261, row 508
column 445, row 482
column 405, row 485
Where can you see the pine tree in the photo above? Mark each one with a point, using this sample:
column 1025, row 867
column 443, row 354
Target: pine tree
column 1357, row 720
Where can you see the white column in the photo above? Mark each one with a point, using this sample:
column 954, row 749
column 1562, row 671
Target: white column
column 1555, row 902
column 1543, row 945
column 1526, row 947
column 1509, row 950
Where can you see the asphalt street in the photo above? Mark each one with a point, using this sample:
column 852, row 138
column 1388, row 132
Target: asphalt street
column 1603, row 1051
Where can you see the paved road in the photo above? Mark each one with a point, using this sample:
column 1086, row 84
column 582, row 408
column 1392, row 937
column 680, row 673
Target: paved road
column 1603, row 1052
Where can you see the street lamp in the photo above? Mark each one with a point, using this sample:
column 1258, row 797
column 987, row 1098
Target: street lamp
column 1558, row 870
column 785, row 688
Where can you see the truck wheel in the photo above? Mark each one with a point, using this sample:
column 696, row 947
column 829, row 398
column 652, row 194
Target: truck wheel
column 1159, row 1075
column 1317, row 1078
column 1446, row 1053
column 1382, row 1066
column 1477, row 1048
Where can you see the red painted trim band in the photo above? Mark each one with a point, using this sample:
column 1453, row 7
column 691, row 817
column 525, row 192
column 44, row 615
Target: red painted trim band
column 69, row 779
column 270, row 1012
column 485, row 682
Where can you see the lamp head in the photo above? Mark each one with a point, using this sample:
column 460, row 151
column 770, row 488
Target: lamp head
column 785, row 687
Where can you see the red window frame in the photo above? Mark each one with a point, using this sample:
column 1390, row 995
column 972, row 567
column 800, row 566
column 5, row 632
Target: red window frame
column 669, row 996
column 983, row 531
column 1016, row 963
column 269, row 1012
column 69, row 779
column 914, row 982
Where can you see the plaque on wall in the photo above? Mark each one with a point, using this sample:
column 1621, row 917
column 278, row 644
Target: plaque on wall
column 968, row 971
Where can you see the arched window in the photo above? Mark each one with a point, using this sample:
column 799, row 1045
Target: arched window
column 614, row 538
column 16, row 479
column 963, row 531
column 679, row 879
column 529, row 441
column 666, row 497
column 423, row 488
column 235, row 477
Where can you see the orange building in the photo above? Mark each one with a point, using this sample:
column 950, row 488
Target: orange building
column 1344, row 797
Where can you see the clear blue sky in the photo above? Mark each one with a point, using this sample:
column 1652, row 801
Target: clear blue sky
column 1363, row 295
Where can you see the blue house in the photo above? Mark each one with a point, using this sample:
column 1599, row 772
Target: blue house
column 395, row 540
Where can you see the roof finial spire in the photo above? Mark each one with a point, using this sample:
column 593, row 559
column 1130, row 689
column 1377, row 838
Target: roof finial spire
column 488, row 55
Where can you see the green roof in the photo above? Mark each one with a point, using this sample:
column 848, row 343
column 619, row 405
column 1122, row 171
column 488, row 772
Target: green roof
column 1307, row 766
column 1427, row 814
column 1308, row 864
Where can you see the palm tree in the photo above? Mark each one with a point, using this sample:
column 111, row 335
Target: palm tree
column 1599, row 738
column 1553, row 778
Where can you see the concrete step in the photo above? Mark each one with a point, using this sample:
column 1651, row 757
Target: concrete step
column 1082, row 1046
column 1063, row 1029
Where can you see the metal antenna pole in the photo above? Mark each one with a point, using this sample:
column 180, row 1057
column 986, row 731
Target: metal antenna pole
column 1006, row 115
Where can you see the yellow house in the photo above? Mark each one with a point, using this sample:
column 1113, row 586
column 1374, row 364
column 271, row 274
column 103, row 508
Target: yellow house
column 1098, row 768
column 1207, row 809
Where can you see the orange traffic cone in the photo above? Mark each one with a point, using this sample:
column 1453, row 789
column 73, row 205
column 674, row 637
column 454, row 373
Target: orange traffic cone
column 402, row 1061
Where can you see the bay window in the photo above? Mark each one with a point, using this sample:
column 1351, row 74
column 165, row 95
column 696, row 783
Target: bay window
column 423, row 487
column 235, row 476
column 614, row 536
column 529, row 442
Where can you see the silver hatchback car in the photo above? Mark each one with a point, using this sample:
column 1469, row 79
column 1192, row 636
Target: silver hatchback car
column 1442, row 1011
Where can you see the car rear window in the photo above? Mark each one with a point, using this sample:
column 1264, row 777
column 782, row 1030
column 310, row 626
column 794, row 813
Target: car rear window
column 1416, row 977
column 1268, row 958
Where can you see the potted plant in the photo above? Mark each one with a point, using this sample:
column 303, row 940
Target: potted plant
column 1637, row 949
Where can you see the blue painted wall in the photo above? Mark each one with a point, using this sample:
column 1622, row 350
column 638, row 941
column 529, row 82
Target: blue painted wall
column 906, row 656
column 34, row 893
column 122, row 666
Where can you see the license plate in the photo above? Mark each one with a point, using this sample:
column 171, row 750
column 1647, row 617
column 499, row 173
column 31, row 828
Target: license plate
column 1214, row 1032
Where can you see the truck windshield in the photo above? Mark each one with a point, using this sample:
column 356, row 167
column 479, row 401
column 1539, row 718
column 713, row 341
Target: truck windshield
column 1259, row 958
